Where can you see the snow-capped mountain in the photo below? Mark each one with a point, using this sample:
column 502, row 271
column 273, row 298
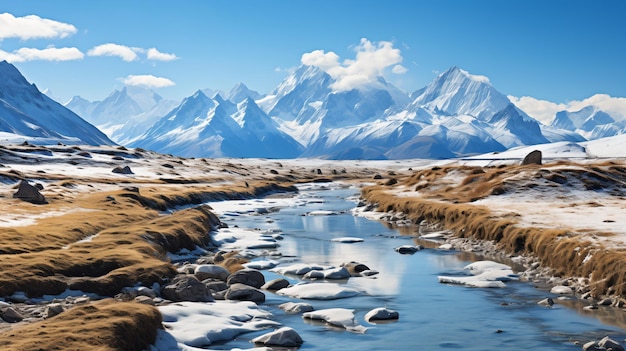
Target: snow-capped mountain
column 124, row 114
column 457, row 92
column 457, row 114
column 589, row 121
column 27, row 114
column 241, row 92
column 214, row 127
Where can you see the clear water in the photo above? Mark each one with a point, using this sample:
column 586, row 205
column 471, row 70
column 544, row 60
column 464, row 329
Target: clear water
column 433, row 316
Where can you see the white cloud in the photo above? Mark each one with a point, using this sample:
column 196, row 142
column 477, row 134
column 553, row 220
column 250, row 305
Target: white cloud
column 372, row 60
column 148, row 81
column 399, row 69
column 125, row 52
column 48, row 54
column 32, row 27
column 545, row 111
column 154, row 54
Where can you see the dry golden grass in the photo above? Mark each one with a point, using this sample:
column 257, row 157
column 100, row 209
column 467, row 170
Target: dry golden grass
column 106, row 325
column 101, row 232
column 446, row 196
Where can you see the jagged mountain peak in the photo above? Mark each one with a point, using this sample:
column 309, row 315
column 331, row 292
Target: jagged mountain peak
column 27, row 113
column 457, row 92
column 241, row 92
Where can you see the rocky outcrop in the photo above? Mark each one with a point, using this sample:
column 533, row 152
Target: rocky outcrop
column 533, row 158
column 283, row 337
column 186, row 288
column 29, row 193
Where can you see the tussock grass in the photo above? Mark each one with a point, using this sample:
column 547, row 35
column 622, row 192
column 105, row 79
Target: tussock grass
column 106, row 325
column 446, row 195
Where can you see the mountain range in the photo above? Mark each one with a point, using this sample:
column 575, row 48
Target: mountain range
column 27, row 114
column 457, row 114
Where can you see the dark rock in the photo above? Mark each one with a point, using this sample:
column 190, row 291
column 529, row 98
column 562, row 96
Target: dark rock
column 283, row 337
column 381, row 314
column 186, row 288
column 533, row 158
column 276, row 284
column 122, row 170
column 296, row 307
column 144, row 300
column 355, row 268
column 29, row 193
column 11, row 315
column 610, row 344
column 52, row 310
column 206, row 271
column 215, row 285
column 242, row 292
column 249, row 277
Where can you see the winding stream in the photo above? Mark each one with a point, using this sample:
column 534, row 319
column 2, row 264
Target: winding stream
column 433, row 316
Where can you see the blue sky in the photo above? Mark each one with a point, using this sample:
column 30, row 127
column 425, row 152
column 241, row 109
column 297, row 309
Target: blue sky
column 552, row 50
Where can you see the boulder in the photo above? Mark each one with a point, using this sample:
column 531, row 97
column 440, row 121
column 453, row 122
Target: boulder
column 533, row 158
column 283, row 337
column 381, row 314
column 249, row 277
column 52, row 310
column 214, row 285
column 11, row 315
column 610, row 344
column 296, row 307
column 355, row 268
column 242, row 292
column 276, row 284
column 29, row 193
column 144, row 300
column 186, row 288
column 408, row 249
column 122, row 170
column 206, row 271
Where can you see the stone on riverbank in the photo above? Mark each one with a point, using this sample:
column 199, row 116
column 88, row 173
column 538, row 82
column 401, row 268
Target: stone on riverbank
column 381, row 314
column 206, row 271
column 243, row 292
column 276, row 284
column 283, row 337
column 296, row 307
column 186, row 288
column 250, row 277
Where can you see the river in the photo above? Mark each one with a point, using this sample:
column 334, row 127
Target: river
column 433, row 316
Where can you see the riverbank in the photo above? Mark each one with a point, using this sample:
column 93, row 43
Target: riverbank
column 96, row 221
column 81, row 224
column 565, row 216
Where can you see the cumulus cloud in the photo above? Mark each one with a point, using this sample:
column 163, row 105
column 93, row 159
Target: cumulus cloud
column 545, row 111
column 148, row 81
column 154, row 54
column 126, row 53
column 32, row 27
column 371, row 61
column 48, row 54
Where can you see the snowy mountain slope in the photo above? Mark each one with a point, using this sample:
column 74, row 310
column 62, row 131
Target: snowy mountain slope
column 456, row 92
column 25, row 111
column 457, row 114
column 205, row 127
column 241, row 92
column 124, row 114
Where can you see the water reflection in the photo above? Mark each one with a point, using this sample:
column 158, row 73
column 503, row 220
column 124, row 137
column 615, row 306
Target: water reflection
column 433, row 316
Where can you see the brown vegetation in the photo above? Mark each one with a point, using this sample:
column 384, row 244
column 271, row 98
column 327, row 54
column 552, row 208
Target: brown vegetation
column 102, row 231
column 105, row 325
column 446, row 195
